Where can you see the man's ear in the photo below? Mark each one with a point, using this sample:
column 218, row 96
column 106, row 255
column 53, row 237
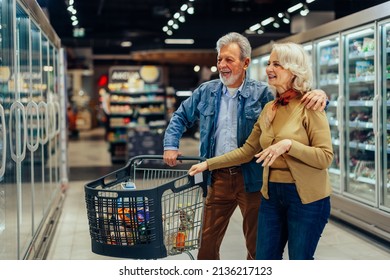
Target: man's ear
column 246, row 63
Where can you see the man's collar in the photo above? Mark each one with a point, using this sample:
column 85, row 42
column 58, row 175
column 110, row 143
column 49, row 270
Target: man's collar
column 225, row 90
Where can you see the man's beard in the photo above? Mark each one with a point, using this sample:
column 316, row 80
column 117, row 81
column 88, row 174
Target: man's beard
column 229, row 81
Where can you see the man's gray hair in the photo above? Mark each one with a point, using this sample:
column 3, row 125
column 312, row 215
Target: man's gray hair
column 240, row 40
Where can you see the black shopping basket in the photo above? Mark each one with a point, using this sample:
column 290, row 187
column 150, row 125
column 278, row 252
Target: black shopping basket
column 146, row 210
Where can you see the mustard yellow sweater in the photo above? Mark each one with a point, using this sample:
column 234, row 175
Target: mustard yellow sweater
column 309, row 157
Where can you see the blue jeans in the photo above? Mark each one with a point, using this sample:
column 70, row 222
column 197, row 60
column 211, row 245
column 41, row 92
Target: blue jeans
column 284, row 218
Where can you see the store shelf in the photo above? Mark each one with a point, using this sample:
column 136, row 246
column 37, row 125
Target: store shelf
column 136, row 105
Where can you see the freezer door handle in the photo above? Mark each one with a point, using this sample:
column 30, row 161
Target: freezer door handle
column 340, row 104
column 375, row 117
column 58, row 118
column 4, row 144
column 44, row 132
column 17, row 155
column 32, row 109
column 52, row 120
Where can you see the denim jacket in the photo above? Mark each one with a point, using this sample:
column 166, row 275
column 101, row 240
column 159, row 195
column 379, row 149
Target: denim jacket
column 203, row 106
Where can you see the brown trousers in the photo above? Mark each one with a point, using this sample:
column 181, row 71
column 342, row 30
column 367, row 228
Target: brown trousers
column 225, row 193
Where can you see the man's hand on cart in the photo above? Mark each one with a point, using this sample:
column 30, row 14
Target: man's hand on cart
column 170, row 157
column 197, row 168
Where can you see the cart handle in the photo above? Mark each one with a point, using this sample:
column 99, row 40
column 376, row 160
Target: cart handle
column 141, row 157
column 124, row 173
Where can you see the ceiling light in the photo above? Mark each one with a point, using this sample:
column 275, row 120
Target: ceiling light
column 255, row 27
column 78, row 32
column 165, row 28
column 284, row 16
column 179, row 17
column 182, row 19
column 196, row 68
column 247, row 31
column 267, row 21
column 304, row 11
column 213, row 69
column 295, row 7
column 179, row 41
column 126, row 44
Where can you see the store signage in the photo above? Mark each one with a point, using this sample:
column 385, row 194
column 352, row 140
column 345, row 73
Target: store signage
column 147, row 73
column 123, row 76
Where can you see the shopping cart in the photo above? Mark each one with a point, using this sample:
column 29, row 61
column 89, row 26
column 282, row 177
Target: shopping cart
column 147, row 210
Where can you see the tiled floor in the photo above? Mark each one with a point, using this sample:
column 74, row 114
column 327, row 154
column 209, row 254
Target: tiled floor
column 89, row 159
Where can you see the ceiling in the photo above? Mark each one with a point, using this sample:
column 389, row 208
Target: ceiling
column 109, row 22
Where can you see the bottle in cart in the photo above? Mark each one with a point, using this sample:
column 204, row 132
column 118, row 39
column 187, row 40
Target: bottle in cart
column 181, row 239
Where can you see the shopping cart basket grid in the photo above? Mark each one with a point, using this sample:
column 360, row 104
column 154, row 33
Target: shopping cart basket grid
column 147, row 211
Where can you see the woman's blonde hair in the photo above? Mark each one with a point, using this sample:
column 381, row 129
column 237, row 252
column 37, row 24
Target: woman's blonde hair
column 294, row 58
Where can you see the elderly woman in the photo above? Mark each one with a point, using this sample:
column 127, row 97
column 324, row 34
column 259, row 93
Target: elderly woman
column 294, row 146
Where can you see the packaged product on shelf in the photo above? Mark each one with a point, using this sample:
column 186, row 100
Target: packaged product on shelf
column 363, row 68
column 368, row 44
column 356, row 47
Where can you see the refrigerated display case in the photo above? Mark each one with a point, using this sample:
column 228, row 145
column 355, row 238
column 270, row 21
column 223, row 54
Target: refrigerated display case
column 31, row 112
column 351, row 63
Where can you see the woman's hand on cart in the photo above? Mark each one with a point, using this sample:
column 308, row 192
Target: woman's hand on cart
column 170, row 157
column 198, row 168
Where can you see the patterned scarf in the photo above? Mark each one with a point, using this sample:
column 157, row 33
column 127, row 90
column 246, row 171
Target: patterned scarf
column 282, row 100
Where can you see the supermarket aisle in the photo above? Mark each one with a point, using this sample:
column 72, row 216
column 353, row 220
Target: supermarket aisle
column 89, row 159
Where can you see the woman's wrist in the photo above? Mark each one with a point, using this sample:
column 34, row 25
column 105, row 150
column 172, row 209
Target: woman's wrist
column 288, row 145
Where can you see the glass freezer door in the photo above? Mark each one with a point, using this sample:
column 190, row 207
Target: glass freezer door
column 7, row 213
column 360, row 115
column 34, row 130
column 385, row 123
column 18, row 136
column 328, row 79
